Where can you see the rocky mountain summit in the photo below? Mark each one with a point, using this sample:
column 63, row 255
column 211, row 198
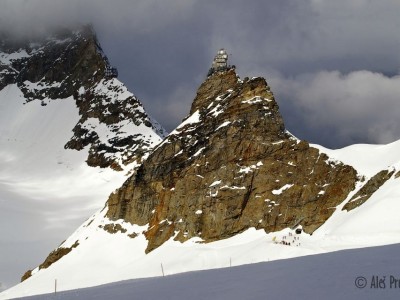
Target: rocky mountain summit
column 71, row 64
column 229, row 166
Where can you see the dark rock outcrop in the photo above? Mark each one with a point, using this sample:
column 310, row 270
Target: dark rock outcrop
column 52, row 258
column 368, row 189
column 113, row 228
column 59, row 64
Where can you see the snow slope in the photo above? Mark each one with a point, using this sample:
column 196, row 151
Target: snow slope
column 59, row 113
column 102, row 257
column 46, row 191
column 325, row 276
column 38, row 176
column 365, row 158
column 32, row 154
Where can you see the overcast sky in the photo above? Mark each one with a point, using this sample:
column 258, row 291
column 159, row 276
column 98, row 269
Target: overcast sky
column 333, row 65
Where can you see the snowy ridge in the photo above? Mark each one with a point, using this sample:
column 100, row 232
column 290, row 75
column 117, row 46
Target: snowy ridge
column 71, row 64
column 367, row 159
column 35, row 48
column 117, row 123
column 15, row 55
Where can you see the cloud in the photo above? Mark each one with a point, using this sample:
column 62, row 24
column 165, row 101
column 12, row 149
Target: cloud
column 176, row 105
column 163, row 48
column 31, row 17
column 336, row 108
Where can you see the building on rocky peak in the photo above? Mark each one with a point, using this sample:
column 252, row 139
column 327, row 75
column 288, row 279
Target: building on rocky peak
column 110, row 72
column 220, row 62
column 221, row 59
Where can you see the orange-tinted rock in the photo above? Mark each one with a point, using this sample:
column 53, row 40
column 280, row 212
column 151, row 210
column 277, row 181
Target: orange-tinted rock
column 234, row 169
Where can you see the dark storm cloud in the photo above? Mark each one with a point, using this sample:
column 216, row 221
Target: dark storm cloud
column 365, row 104
column 290, row 38
column 163, row 49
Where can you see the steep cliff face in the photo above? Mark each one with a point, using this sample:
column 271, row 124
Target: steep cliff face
column 229, row 166
column 71, row 63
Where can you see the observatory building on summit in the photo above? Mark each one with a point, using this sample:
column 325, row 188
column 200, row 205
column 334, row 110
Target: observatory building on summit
column 220, row 62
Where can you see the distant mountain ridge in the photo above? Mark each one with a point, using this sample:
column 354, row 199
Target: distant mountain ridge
column 71, row 63
column 70, row 132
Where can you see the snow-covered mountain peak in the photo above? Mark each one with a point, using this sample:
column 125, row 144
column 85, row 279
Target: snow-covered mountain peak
column 71, row 64
column 66, row 125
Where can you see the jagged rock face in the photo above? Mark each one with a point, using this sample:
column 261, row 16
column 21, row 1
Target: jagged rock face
column 114, row 125
column 368, row 189
column 60, row 64
column 228, row 167
column 53, row 257
column 69, row 63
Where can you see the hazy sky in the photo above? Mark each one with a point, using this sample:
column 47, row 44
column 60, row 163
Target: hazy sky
column 332, row 65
